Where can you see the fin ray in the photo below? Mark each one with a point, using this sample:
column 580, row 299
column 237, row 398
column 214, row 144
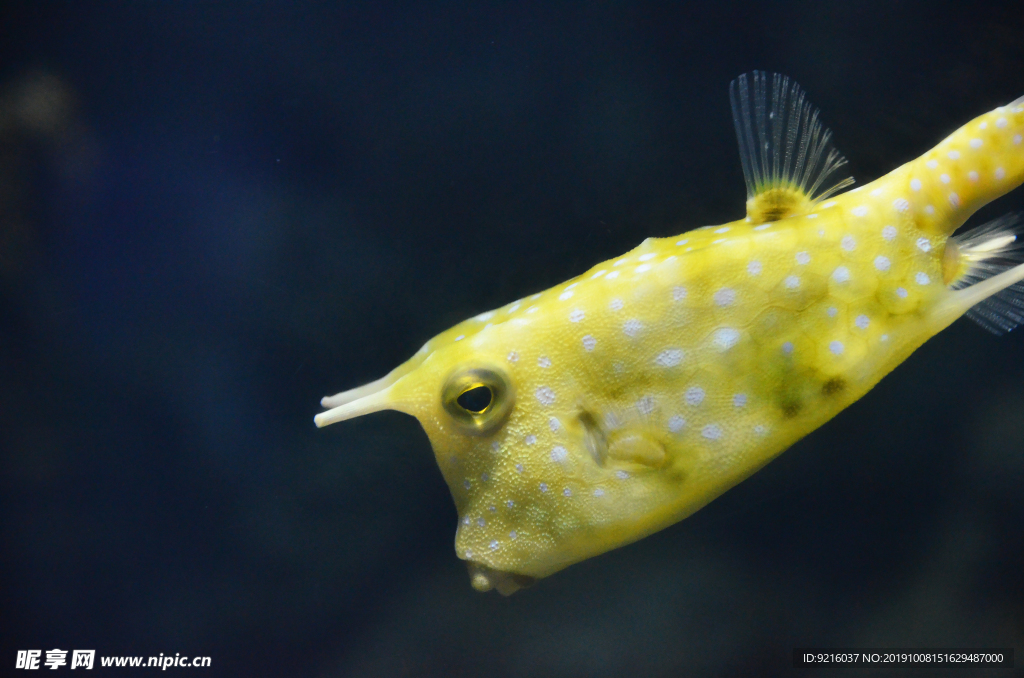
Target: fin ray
column 990, row 250
column 786, row 152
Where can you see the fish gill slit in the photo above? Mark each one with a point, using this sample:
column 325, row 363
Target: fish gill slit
column 595, row 437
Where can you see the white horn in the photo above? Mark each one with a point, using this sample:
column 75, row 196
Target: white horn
column 375, row 402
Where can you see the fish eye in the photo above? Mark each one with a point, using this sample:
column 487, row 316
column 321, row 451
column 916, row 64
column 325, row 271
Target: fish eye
column 476, row 399
column 479, row 399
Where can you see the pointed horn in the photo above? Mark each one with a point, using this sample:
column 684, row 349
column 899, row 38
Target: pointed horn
column 348, row 396
column 374, row 402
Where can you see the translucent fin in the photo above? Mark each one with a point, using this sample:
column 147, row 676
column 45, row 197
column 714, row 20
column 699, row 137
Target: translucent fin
column 985, row 252
column 787, row 154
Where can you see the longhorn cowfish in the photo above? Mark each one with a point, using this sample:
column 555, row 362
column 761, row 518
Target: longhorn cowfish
column 597, row 412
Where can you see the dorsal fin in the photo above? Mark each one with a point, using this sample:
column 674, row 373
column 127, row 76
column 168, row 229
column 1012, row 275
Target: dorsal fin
column 787, row 153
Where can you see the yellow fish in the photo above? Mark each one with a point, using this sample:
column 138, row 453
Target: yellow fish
column 604, row 409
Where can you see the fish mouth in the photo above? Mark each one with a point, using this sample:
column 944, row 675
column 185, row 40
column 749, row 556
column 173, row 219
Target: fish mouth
column 484, row 578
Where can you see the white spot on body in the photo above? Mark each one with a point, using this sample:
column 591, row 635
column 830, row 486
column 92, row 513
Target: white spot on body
column 576, row 316
column 599, row 492
column 922, row 278
column 803, row 258
column 832, row 311
column 787, row 347
column 754, row 268
column 598, row 274
column 589, row 343
column 812, row 216
column 944, row 178
column 670, row 357
column 545, row 395
column 901, row 205
column 466, row 484
column 901, row 292
column 543, row 487
column 512, row 356
column 929, row 209
column 975, row 143
column 860, row 211
column 544, row 362
column 694, row 396
column 931, row 164
column 924, row 244
column 725, row 296
column 983, row 125
column 848, row 243
column 1000, row 173
column 1001, row 123
column 676, row 424
column 954, row 200
column 481, row 522
column 889, row 233
column 836, row 347
column 646, row 405
column 841, row 274
column 616, row 304
column 726, row 338
column 647, row 257
column 460, row 337
column 739, row 400
column 621, row 475
column 566, row 295
column 680, row 243
column 862, row 321
column 559, row 454
column 791, row 282
column 632, row 327
column 972, row 175
column 882, row 263
column 612, row 276
column 1017, row 139
column 915, row 184
column 724, row 229
column 678, row 293
column 830, row 203
column 643, row 268
column 513, row 535
column 554, row 424
column 953, row 155
column 712, row 432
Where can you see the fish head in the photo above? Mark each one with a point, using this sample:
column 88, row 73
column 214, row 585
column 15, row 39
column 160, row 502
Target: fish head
column 525, row 444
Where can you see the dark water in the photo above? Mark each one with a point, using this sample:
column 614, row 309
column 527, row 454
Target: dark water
column 212, row 215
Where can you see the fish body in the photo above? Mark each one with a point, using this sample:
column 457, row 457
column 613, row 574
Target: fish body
column 592, row 414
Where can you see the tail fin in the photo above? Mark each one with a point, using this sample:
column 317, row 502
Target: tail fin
column 973, row 166
column 984, row 253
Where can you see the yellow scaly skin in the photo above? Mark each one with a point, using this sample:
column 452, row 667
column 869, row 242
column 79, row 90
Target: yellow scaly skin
column 644, row 388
